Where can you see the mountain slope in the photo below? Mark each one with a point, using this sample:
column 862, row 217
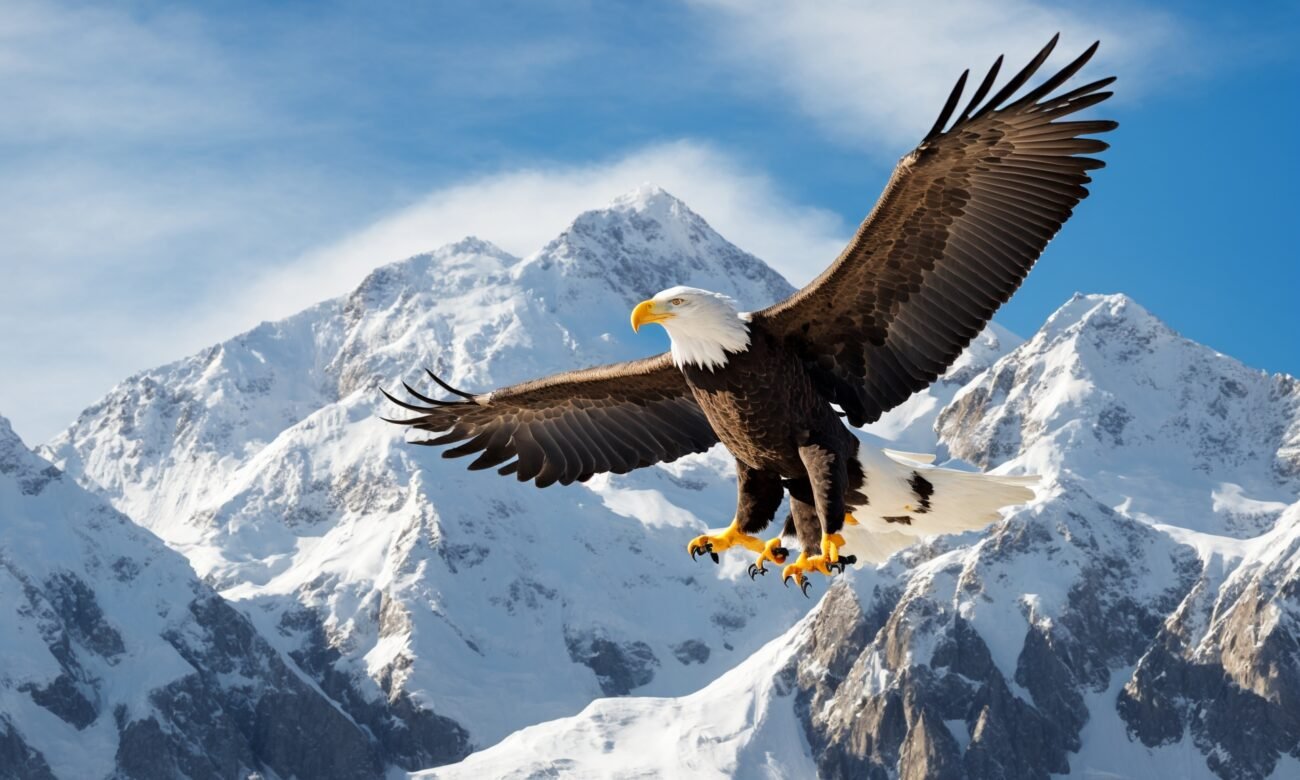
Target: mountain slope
column 1106, row 629
column 398, row 580
column 119, row 662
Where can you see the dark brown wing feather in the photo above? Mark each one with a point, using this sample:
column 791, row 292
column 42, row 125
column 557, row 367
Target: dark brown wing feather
column 567, row 427
column 962, row 220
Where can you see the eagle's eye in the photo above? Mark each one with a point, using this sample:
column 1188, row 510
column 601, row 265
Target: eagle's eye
column 677, row 301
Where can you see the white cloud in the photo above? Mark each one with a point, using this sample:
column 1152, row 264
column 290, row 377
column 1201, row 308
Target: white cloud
column 521, row 210
column 879, row 71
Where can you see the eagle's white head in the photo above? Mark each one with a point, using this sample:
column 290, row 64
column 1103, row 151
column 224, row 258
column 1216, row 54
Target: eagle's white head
column 705, row 327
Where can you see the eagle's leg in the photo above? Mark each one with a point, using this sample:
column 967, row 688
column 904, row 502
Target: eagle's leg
column 803, row 515
column 759, row 496
column 828, row 478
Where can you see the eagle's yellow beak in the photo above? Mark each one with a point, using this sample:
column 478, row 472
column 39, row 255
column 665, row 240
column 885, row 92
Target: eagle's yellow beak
column 645, row 313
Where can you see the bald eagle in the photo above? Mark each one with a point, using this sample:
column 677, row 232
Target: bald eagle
column 960, row 223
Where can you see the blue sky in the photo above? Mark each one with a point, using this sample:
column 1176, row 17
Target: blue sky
column 174, row 174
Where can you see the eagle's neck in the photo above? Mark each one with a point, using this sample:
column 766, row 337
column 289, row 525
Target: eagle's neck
column 708, row 343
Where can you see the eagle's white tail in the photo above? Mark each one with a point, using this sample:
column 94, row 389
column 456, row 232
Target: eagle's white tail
column 908, row 498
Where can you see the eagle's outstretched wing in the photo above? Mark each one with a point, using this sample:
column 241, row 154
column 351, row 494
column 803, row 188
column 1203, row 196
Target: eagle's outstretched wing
column 962, row 220
column 567, row 427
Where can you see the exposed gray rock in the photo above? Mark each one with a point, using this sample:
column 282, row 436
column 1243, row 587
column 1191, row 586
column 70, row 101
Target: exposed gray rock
column 619, row 667
column 409, row 736
column 18, row 761
column 1233, row 688
column 692, row 651
column 275, row 718
column 64, row 698
column 74, row 602
column 930, row 752
column 884, row 673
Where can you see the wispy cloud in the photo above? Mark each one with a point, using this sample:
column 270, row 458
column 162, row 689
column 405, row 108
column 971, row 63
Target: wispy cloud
column 521, row 210
column 879, row 70
column 106, row 76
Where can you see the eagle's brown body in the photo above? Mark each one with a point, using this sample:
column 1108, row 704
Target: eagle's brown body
column 763, row 404
column 960, row 223
column 769, row 413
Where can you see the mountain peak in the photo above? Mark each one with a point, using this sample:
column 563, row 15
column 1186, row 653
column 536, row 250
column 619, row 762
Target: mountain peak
column 643, row 242
column 7, row 433
column 1083, row 312
column 20, row 464
column 648, row 209
column 647, row 197
column 1106, row 387
column 473, row 245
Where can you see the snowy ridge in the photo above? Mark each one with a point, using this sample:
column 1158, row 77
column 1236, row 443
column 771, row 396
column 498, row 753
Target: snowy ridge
column 1164, row 429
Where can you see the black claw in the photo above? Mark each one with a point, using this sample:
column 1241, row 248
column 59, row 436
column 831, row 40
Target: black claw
column 754, row 571
column 842, row 563
column 696, row 551
column 804, row 587
column 785, row 581
column 713, row 555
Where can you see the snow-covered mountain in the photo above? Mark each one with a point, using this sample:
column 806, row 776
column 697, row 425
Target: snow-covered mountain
column 396, row 578
column 119, row 662
column 1138, row 620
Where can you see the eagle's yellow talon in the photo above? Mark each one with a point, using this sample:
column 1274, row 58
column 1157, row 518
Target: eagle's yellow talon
column 712, row 544
column 830, row 560
column 772, row 551
column 795, row 572
column 850, row 520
